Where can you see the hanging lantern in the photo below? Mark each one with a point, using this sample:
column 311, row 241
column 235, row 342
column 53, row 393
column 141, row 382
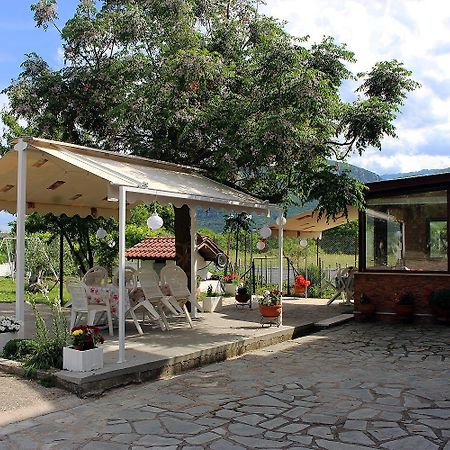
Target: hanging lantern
column 303, row 243
column 260, row 245
column 265, row 232
column 155, row 222
column 283, row 221
column 101, row 233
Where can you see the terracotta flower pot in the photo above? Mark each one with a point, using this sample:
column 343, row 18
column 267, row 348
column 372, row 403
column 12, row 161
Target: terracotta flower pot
column 270, row 311
column 299, row 289
column 404, row 310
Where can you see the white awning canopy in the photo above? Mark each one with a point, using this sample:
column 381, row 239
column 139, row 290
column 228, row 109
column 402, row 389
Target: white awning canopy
column 67, row 179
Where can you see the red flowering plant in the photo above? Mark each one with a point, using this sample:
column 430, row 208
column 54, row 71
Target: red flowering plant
column 300, row 280
column 232, row 278
column 86, row 337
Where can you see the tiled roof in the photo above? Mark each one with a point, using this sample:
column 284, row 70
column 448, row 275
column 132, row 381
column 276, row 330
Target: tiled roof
column 153, row 248
column 164, row 248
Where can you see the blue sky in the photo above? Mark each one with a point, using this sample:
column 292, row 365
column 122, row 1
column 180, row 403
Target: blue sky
column 412, row 31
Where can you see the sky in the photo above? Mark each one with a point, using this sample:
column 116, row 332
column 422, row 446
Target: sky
column 414, row 32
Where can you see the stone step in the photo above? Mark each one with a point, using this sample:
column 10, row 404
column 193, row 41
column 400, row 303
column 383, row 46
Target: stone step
column 334, row 321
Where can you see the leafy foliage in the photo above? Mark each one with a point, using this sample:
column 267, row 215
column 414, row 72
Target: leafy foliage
column 217, row 85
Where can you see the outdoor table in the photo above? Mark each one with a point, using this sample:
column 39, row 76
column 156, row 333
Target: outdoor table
column 97, row 295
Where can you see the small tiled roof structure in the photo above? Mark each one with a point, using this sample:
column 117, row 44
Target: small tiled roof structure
column 163, row 248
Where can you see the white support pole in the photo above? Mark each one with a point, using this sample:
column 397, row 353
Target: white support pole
column 193, row 214
column 280, row 257
column 122, row 223
column 20, row 233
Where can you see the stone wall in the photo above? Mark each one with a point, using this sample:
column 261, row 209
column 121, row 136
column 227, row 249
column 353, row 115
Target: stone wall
column 381, row 288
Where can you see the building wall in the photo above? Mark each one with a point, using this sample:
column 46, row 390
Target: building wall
column 382, row 287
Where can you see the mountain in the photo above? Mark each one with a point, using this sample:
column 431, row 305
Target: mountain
column 214, row 219
column 419, row 173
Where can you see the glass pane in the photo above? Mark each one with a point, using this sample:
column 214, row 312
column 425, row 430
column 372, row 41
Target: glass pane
column 407, row 232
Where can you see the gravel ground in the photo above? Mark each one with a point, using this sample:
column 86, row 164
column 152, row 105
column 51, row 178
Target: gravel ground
column 21, row 399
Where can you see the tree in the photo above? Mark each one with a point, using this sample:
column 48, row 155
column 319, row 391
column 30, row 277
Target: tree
column 215, row 84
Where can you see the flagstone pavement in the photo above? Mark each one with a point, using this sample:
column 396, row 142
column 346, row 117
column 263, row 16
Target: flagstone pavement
column 358, row 386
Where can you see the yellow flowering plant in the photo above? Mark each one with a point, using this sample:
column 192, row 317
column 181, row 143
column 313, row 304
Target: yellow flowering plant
column 86, row 337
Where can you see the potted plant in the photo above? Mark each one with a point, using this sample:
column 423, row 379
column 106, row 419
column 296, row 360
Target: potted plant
column 270, row 304
column 439, row 301
column 405, row 305
column 9, row 327
column 300, row 284
column 366, row 307
column 212, row 301
column 243, row 294
column 84, row 355
column 230, row 283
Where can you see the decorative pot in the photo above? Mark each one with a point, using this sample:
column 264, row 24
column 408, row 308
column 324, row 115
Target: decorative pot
column 6, row 337
column 230, row 289
column 243, row 298
column 404, row 310
column 441, row 314
column 210, row 304
column 299, row 289
column 270, row 312
column 82, row 360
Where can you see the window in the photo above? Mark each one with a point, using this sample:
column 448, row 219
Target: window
column 402, row 232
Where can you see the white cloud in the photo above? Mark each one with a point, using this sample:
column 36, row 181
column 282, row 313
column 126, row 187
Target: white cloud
column 412, row 31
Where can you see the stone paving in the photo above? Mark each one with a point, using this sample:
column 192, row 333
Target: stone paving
column 358, row 386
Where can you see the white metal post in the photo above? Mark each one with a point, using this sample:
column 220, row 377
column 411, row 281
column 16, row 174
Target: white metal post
column 280, row 257
column 122, row 223
column 193, row 214
column 20, row 233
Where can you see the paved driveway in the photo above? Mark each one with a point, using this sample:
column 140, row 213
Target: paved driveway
column 354, row 387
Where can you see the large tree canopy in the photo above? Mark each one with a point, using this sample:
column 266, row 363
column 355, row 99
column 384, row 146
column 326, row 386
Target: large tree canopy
column 214, row 84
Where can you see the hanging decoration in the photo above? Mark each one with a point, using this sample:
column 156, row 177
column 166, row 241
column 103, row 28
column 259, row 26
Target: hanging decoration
column 260, row 245
column 112, row 243
column 265, row 232
column 303, row 243
column 101, row 233
column 154, row 222
column 283, row 220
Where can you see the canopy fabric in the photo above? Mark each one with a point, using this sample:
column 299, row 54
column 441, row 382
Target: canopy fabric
column 67, row 179
column 307, row 225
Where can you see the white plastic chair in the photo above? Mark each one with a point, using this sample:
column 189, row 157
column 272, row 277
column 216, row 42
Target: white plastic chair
column 175, row 278
column 80, row 306
column 131, row 284
column 163, row 303
column 96, row 276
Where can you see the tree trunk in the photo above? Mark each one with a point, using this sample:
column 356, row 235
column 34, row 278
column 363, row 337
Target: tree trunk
column 183, row 240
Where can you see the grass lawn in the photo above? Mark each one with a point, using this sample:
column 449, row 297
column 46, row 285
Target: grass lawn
column 8, row 293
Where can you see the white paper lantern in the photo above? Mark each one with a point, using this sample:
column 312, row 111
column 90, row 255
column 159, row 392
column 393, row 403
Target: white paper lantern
column 154, row 221
column 283, row 220
column 260, row 245
column 101, row 233
column 265, row 232
column 303, row 242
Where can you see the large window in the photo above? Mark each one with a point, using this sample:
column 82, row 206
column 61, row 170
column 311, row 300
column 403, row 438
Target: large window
column 407, row 232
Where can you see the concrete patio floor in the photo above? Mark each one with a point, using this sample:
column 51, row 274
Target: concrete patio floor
column 215, row 337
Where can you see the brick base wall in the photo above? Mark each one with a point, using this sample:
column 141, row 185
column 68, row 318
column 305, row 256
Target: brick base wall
column 381, row 288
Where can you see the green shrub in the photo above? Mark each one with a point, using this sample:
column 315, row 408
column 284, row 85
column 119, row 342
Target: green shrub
column 19, row 349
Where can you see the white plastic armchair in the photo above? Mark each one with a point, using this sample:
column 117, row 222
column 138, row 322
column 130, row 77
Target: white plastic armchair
column 80, row 306
column 166, row 305
column 175, row 278
column 96, row 276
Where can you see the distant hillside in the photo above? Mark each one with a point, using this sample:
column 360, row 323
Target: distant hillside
column 419, row 173
column 214, row 219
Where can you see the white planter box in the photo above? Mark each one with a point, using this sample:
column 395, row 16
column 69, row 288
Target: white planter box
column 5, row 337
column 230, row 289
column 211, row 304
column 82, row 360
